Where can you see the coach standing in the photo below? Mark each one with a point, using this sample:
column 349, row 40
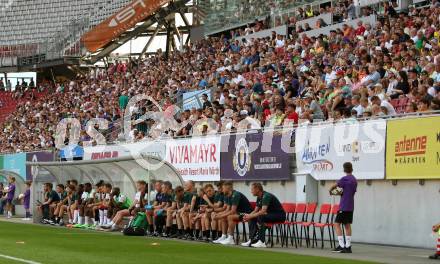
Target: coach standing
column 348, row 184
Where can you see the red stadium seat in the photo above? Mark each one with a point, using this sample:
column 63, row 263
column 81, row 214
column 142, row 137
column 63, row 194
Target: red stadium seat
column 403, row 102
column 307, row 221
column 324, row 212
column 290, row 209
column 395, row 103
column 296, row 220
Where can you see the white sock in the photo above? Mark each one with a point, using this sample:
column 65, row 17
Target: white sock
column 104, row 217
column 87, row 220
column 341, row 241
column 75, row 216
column 108, row 221
column 348, row 241
column 80, row 220
column 223, row 236
column 101, row 217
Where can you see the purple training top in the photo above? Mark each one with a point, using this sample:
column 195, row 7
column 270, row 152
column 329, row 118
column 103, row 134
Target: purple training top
column 349, row 185
column 11, row 192
column 27, row 199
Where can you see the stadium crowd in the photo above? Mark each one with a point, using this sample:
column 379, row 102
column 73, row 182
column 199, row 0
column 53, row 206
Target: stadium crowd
column 362, row 72
column 182, row 212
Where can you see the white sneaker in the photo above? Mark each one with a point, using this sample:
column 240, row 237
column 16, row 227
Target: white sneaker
column 220, row 239
column 246, row 244
column 259, row 244
column 228, row 241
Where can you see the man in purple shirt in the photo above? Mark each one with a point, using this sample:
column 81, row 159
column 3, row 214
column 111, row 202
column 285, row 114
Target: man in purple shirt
column 348, row 184
column 10, row 196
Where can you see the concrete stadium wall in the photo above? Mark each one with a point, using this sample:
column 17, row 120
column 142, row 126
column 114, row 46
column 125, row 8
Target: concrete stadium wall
column 400, row 215
column 281, row 30
column 326, row 30
column 327, row 17
column 394, row 215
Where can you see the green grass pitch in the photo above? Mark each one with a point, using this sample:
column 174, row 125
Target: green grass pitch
column 51, row 245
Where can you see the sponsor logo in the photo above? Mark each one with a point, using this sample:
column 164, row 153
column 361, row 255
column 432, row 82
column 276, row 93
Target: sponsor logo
column 34, row 169
column 321, row 165
column 126, row 14
column 316, row 152
column 242, row 158
column 104, row 155
column 353, row 147
column 196, row 153
column 410, row 150
column 315, row 156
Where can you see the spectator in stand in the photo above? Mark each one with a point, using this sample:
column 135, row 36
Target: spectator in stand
column 399, row 52
column 351, row 10
column 402, row 86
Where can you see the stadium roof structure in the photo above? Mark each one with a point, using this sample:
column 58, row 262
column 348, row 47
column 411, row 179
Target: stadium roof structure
column 121, row 172
column 160, row 22
column 93, row 36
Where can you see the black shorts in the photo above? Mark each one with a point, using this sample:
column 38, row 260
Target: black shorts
column 344, row 217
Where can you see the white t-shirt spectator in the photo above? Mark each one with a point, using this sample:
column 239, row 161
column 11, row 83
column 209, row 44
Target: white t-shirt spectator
column 329, row 77
column 359, row 110
column 239, row 79
column 279, row 43
column 389, row 107
column 432, row 91
column 391, row 87
column 374, row 77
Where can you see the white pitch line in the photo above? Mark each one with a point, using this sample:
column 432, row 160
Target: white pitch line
column 19, row 259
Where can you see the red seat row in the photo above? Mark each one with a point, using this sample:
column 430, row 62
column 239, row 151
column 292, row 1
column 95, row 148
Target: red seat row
column 300, row 221
column 400, row 104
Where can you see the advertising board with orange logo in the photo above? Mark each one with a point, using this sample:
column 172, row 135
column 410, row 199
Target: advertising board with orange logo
column 413, row 148
column 120, row 22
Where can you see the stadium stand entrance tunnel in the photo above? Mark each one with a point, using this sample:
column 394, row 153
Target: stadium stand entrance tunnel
column 120, row 172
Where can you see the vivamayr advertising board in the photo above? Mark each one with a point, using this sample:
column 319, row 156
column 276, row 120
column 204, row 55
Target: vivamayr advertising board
column 196, row 159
